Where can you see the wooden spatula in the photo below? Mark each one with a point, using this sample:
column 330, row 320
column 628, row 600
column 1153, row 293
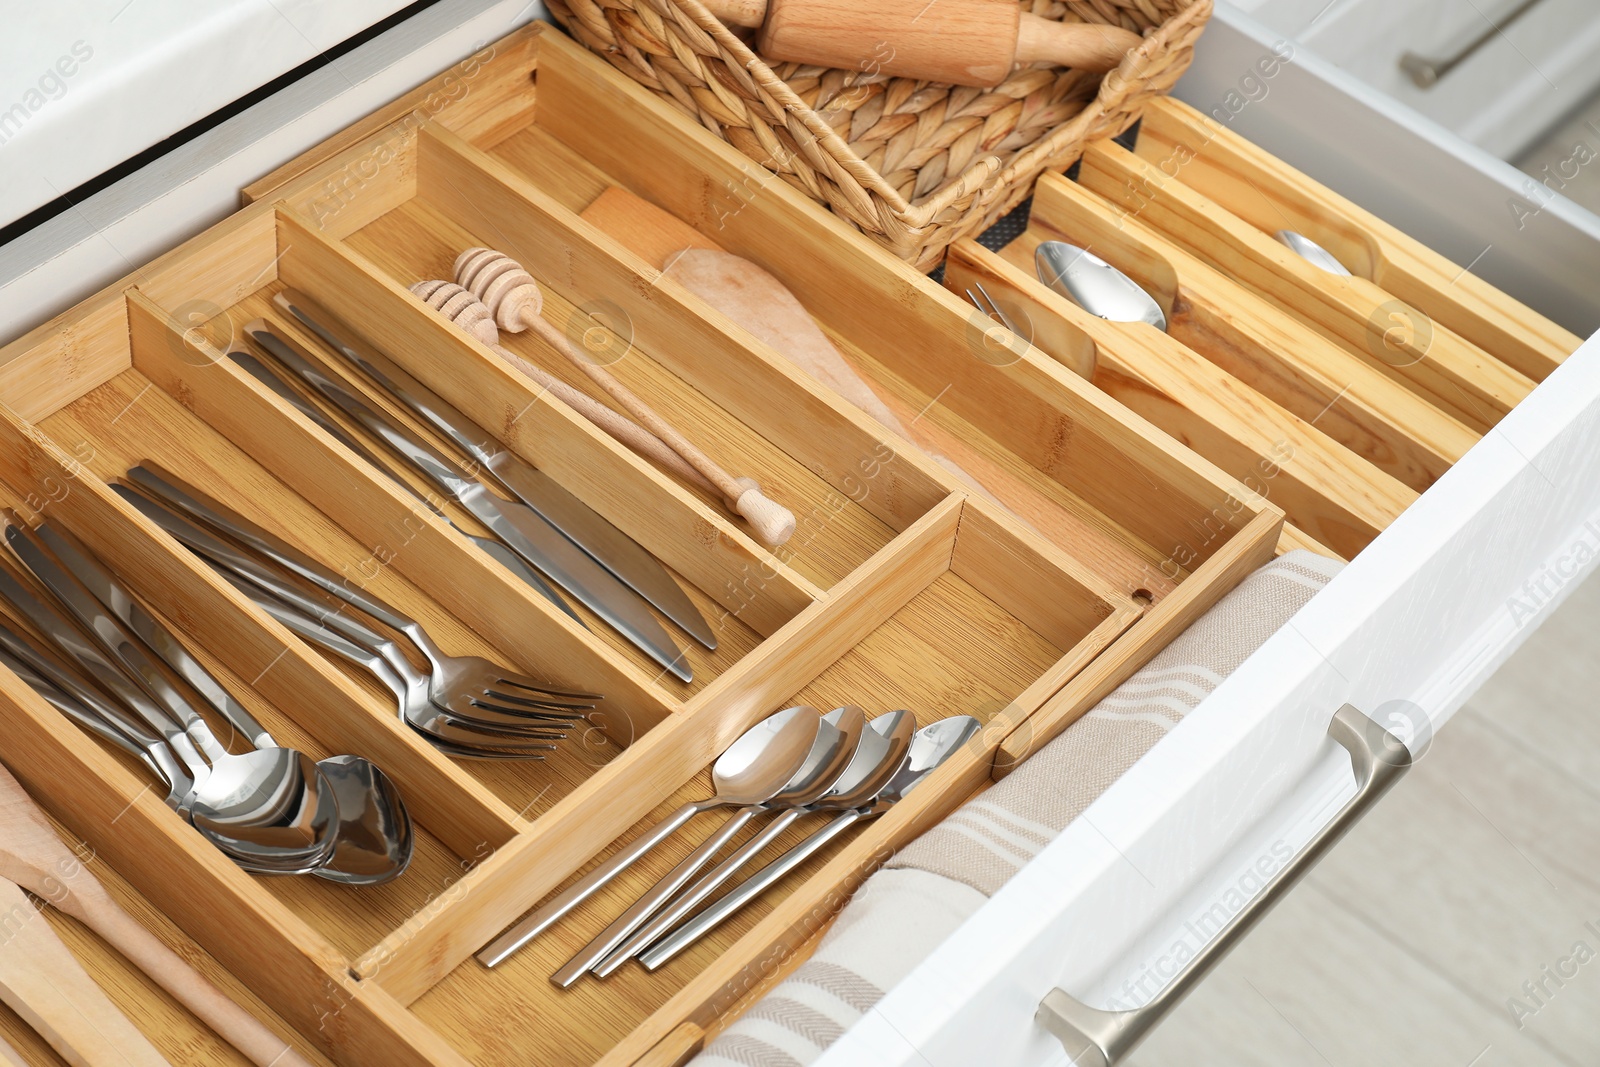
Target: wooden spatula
column 959, row 42
column 44, row 983
column 32, row 856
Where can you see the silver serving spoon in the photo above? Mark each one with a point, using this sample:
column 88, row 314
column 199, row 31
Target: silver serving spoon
column 264, row 809
column 880, row 751
column 1095, row 285
column 830, row 757
column 752, row 771
column 1312, row 253
column 373, row 838
column 930, row 748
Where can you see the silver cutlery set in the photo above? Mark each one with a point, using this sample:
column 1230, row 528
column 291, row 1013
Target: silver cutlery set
column 271, row 809
column 790, row 765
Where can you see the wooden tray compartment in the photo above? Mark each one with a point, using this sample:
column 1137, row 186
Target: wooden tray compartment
column 936, row 599
column 1402, row 341
column 1270, row 195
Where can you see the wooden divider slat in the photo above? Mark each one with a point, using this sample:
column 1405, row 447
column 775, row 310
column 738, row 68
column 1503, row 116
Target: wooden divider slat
column 1258, row 186
column 664, row 518
column 1122, row 466
column 1258, row 343
column 1332, row 494
column 756, row 387
column 291, row 967
column 1457, row 376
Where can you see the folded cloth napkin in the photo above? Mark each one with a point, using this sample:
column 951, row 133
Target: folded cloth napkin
column 929, row 888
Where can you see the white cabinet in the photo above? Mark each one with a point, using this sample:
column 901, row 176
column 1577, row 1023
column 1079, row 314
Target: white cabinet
column 1509, row 69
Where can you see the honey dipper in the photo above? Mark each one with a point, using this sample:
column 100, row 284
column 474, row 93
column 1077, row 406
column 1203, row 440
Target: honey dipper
column 772, row 522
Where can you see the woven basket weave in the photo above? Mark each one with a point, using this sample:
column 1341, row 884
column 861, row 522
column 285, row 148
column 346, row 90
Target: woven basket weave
column 914, row 164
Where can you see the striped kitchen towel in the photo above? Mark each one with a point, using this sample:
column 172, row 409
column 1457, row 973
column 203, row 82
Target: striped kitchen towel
column 927, row 890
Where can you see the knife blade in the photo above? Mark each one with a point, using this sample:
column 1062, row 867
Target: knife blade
column 523, row 531
column 496, row 550
column 579, row 523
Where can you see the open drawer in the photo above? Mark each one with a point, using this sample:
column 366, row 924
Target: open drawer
column 1099, row 535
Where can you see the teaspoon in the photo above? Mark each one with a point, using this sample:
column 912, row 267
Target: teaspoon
column 1095, row 285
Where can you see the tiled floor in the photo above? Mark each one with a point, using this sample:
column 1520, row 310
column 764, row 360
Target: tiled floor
column 1568, row 159
column 1459, row 923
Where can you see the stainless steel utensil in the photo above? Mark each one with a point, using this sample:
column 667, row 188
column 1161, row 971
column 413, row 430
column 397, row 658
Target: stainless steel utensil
column 267, row 806
column 521, row 528
column 1095, row 285
column 495, row 550
column 455, row 736
column 1312, row 253
column 752, row 770
column 879, row 750
column 466, row 679
column 838, row 740
column 579, row 523
column 373, row 840
column 930, row 748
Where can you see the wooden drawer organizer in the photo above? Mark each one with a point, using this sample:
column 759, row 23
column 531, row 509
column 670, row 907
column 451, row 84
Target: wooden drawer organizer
column 900, row 589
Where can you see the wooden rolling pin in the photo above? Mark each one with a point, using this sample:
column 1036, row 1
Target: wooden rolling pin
column 958, row 42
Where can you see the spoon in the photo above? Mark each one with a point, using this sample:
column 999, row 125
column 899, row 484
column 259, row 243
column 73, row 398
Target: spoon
column 930, row 748
column 1312, row 253
column 1095, row 285
column 837, row 744
column 752, row 771
column 264, row 808
column 372, row 840
column 879, row 753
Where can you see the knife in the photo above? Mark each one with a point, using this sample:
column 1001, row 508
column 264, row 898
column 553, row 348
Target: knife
column 523, row 531
column 609, row 546
column 496, row 550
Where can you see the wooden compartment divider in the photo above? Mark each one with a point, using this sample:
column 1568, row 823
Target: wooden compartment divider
column 1271, row 195
column 1253, row 340
column 1453, row 374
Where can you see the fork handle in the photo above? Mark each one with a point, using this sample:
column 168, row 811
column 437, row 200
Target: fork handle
column 537, row 923
column 748, row 890
column 274, row 548
column 640, row 911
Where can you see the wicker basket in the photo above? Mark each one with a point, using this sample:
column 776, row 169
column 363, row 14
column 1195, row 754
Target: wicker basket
column 915, row 165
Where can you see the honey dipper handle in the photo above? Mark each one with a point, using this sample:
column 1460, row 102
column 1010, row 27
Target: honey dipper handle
column 1080, row 45
column 773, row 523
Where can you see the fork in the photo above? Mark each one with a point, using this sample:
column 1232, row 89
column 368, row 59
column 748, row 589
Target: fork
column 451, row 679
column 993, row 310
column 408, row 686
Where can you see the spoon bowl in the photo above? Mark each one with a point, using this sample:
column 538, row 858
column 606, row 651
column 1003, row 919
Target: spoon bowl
column 1095, row 285
column 1312, row 253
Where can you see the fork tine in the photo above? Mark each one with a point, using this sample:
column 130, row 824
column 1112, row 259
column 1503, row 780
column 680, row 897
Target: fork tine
column 522, row 681
column 994, row 309
column 516, row 700
column 533, row 714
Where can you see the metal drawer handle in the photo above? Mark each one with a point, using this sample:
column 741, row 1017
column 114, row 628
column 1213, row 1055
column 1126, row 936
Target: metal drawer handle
column 1426, row 72
column 1094, row 1037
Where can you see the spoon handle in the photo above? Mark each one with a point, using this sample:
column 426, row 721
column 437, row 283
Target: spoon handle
column 625, row 924
column 684, row 903
column 269, row 545
column 86, row 654
column 748, row 890
column 116, row 599
column 537, row 923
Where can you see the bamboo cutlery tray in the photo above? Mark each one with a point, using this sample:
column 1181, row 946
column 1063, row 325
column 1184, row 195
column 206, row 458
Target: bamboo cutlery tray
column 901, row 587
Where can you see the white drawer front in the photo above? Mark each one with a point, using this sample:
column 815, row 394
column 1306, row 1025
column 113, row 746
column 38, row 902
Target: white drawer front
column 1111, row 908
